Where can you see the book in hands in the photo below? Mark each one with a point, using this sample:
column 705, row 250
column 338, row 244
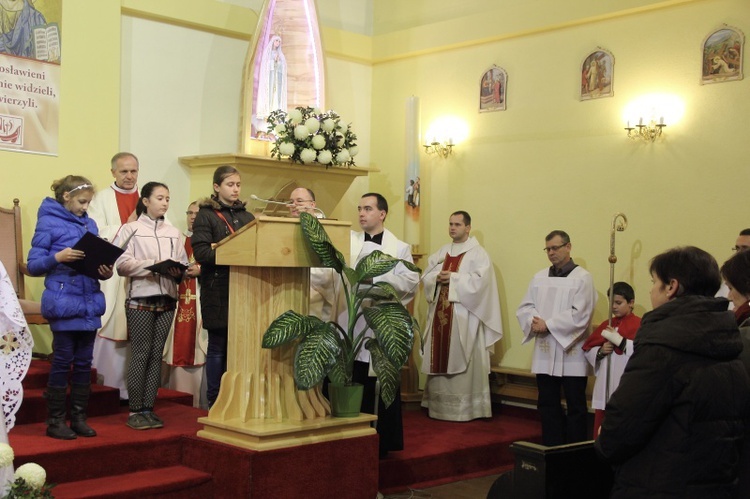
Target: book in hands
column 97, row 252
column 164, row 266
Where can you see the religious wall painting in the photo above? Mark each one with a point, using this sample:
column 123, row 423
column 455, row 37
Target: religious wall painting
column 723, row 51
column 284, row 69
column 30, row 62
column 597, row 75
column 492, row 89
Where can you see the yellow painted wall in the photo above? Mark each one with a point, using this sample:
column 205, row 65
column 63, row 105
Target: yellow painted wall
column 552, row 162
column 89, row 119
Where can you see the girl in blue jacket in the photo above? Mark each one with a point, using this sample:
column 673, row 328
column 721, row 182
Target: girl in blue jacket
column 71, row 302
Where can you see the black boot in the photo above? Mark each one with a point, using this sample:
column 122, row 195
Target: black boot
column 79, row 401
column 56, row 414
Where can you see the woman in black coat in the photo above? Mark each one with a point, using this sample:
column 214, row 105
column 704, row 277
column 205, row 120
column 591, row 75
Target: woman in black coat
column 218, row 217
column 673, row 427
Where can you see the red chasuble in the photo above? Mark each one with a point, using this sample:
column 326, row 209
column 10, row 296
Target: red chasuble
column 442, row 323
column 186, row 319
column 126, row 204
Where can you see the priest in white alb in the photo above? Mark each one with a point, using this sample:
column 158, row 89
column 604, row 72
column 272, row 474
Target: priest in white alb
column 463, row 324
column 111, row 208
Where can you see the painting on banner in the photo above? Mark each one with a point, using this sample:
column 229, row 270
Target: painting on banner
column 30, row 59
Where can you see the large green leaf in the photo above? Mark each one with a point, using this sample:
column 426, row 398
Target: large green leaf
column 388, row 374
column 393, row 328
column 375, row 264
column 288, row 327
column 315, row 356
column 337, row 374
column 320, row 243
column 379, row 291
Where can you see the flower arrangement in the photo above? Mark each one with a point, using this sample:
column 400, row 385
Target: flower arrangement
column 308, row 135
column 29, row 480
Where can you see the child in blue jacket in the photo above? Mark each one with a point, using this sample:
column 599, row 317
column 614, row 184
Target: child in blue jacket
column 71, row 302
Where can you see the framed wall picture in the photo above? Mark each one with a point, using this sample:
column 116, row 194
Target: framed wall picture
column 597, row 75
column 723, row 51
column 492, row 89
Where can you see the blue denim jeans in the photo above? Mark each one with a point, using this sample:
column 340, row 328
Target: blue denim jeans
column 71, row 348
column 216, row 362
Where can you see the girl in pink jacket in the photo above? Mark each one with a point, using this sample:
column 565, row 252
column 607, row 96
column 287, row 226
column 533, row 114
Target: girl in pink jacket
column 152, row 297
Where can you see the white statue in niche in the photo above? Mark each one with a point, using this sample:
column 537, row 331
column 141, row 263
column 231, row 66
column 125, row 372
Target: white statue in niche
column 271, row 80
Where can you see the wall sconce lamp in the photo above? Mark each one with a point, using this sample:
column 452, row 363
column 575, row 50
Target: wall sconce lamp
column 649, row 132
column 442, row 149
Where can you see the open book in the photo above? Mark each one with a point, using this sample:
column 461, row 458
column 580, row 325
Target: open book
column 47, row 43
column 98, row 252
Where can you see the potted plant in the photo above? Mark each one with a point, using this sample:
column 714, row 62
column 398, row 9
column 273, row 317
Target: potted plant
column 327, row 348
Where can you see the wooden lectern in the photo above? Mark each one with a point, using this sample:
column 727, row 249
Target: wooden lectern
column 258, row 406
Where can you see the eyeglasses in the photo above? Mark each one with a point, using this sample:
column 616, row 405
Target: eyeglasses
column 554, row 248
column 299, row 201
column 740, row 248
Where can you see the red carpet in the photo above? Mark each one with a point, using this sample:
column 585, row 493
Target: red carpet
column 437, row 452
column 173, row 462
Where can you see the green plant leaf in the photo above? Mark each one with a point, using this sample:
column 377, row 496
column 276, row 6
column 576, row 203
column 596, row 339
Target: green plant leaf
column 321, row 244
column 393, row 328
column 388, row 374
column 316, row 354
column 351, row 276
column 288, row 327
column 380, row 291
column 337, row 374
column 375, row 264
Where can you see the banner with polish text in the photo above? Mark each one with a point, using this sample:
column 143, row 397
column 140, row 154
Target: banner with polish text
column 30, row 62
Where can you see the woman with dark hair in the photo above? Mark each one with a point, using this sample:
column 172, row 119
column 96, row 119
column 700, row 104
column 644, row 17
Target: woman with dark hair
column 152, row 298
column 736, row 274
column 675, row 423
column 218, row 217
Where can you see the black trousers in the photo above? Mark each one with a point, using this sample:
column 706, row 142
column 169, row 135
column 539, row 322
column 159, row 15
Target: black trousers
column 559, row 428
column 390, row 425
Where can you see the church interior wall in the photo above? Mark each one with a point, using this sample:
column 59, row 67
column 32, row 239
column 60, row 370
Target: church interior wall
column 552, row 162
column 165, row 89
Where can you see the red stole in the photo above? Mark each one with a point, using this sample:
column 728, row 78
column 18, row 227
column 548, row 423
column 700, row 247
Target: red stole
column 442, row 323
column 126, row 204
column 186, row 319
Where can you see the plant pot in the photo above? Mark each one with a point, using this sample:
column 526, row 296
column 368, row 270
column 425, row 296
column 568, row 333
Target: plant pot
column 346, row 400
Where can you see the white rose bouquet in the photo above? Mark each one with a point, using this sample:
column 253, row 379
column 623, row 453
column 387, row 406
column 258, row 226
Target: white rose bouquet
column 29, row 481
column 308, row 135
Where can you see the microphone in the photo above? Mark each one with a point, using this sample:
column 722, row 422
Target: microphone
column 424, row 274
column 270, row 201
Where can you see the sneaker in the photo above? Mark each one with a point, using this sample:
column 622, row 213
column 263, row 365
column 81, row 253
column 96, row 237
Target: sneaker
column 138, row 422
column 154, row 420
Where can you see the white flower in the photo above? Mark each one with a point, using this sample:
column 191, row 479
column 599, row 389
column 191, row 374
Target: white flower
column 318, row 142
column 6, row 455
column 339, row 140
column 325, row 157
column 343, row 156
column 33, row 474
column 312, row 124
column 301, row 132
column 353, row 151
column 317, row 111
column 307, row 155
column 280, row 129
column 328, row 125
column 295, row 116
column 286, row 148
